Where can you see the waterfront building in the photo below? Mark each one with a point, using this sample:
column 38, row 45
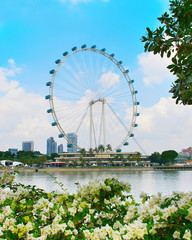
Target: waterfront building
column 60, row 148
column 51, row 146
column 104, row 159
column 13, row 150
column 28, row 146
column 70, row 147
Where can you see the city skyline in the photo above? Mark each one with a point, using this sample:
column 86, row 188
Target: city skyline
column 31, row 41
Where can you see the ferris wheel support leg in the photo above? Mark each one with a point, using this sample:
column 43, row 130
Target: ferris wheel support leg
column 104, row 127
column 91, row 125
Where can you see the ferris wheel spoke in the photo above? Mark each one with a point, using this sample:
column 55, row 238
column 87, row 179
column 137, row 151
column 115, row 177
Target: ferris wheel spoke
column 117, row 117
column 82, row 120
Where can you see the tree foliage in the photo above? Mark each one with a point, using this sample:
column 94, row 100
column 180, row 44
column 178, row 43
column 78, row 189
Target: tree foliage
column 155, row 157
column 168, row 156
column 174, row 38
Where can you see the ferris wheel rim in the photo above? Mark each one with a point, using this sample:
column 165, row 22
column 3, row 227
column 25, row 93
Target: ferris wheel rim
column 127, row 78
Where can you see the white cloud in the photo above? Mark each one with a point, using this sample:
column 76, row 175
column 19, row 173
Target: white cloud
column 23, row 114
column 6, row 85
column 154, row 68
column 109, row 79
column 164, row 126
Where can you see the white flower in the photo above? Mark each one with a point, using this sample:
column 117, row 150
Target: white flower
column 75, row 231
column 176, row 235
column 187, row 235
column 68, row 232
column 91, row 211
column 87, row 218
column 72, row 211
column 71, row 224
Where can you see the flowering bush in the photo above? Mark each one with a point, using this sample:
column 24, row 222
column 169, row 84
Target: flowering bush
column 100, row 210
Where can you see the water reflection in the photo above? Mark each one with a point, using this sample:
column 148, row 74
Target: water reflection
column 150, row 182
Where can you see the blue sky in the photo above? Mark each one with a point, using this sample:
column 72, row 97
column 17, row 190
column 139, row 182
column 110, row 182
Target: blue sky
column 34, row 33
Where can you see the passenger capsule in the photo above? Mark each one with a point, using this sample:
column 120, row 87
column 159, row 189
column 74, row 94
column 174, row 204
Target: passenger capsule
column 57, row 61
column 137, row 103
column 132, row 135
column 61, row 135
column 132, row 81
column 54, row 123
column 74, row 48
column 48, row 97
column 83, row 46
column 120, row 62
column 112, row 55
column 49, row 110
column 118, row 150
column 126, row 71
column 135, row 92
column 48, row 84
column 135, row 125
column 93, row 47
column 52, row 71
column 65, row 54
column 69, row 145
column 137, row 114
column 103, row 49
column 126, row 144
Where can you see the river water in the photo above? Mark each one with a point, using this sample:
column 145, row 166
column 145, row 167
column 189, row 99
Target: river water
column 150, row 182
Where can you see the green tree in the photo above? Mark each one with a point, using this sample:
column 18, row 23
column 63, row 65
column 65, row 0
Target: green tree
column 82, row 160
column 168, row 156
column 99, row 162
column 116, row 158
column 138, row 157
column 155, row 157
column 7, row 155
column 174, row 38
column 75, row 163
column 101, row 148
column 91, row 152
column 96, row 150
column 40, row 160
column 108, row 147
column 124, row 160
column 26, row 157
column 83, row 152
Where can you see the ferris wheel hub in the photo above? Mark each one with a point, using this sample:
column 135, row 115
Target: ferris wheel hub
column 103, row 100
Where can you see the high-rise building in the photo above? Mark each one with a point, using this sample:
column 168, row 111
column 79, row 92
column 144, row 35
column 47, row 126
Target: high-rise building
column 51, row 146
column 60, row 148
column 70, row 147
column 13, row 150
column 28, row 146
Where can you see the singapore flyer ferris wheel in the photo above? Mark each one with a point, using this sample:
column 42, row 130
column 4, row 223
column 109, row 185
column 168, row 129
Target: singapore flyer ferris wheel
column 92, row 96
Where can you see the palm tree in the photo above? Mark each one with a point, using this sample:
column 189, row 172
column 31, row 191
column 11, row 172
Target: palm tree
column 108, row 147
column 91, row 152
column 82, row 160
column 96, row 150
column 74, row 162
column 99, row 161
column 138, row 157
column 83, row 152
column 101, row 148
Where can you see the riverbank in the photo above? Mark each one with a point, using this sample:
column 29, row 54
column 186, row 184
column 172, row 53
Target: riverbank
column 93, row 169
column 79, row 169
